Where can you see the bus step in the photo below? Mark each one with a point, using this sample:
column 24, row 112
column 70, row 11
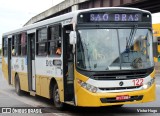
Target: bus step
column 32, row 93
column 70, row 102
column 69, row 82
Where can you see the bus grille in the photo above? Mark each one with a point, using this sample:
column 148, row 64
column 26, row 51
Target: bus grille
column 113, row 99
column 123, row 76
column 119, row 88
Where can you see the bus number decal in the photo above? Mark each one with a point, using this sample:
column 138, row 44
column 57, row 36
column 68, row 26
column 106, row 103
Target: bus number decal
column 138, row 82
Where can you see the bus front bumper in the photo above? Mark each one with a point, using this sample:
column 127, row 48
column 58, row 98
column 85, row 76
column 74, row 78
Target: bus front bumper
column 85, row 98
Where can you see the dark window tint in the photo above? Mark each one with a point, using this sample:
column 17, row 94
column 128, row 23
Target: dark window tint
column 16, row 45
column 23, row 44
column 42, row 35
column 5, row 46
column 42, row 42
column 54, row 40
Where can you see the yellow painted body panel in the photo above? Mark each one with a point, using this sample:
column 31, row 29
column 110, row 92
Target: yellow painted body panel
column 88, row 99
column 13, row 77
column 78, row 76
column 23, row 81
column 5, row 69
column 155, row 59
column 38, row 86
column 61, row 89
column 153, row 74
column 43, row 86
column 156, row 29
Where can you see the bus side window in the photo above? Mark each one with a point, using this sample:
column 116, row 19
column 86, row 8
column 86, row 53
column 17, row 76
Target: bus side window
column 13, row 46
column 23, row 44
column 54, row 40
column 42, row 42
column 58, row 48
column 5, row 46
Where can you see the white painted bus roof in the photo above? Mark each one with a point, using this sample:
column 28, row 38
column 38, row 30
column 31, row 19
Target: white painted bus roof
column 63, row 17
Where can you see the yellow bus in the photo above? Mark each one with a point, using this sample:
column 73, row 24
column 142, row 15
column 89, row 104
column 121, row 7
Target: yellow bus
column 104, row 58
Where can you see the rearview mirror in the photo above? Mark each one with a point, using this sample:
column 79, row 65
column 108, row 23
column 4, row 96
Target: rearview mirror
column 72, row 37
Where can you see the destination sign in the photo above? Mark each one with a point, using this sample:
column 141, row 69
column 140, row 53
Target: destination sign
column 115, row 17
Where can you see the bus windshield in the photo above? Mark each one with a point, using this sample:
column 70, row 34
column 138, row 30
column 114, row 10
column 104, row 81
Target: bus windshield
column 114, row 49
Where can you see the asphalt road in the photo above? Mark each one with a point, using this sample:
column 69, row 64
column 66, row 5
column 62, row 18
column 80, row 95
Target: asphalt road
column 8, row 98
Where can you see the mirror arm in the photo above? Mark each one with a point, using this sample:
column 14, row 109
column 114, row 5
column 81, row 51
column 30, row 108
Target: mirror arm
column 73, row 50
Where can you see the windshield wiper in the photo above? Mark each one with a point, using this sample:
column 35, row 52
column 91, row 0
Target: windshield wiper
column 131, row 38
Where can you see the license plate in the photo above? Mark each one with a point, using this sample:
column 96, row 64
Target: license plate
column 122, row 97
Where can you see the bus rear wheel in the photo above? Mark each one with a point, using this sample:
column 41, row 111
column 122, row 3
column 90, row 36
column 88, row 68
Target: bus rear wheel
column 56, row 98
column 17, row 85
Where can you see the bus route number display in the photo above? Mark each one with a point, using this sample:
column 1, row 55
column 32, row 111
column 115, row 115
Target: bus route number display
column 115, row 17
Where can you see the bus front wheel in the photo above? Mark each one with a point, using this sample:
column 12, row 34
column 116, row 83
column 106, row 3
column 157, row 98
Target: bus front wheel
column 56, row 98
column 17, row 85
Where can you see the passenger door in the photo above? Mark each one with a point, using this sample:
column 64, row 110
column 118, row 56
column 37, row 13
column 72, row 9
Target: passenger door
column 31, row 60
column 68, row 65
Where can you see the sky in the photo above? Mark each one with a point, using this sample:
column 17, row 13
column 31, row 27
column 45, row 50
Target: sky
column 15, row 13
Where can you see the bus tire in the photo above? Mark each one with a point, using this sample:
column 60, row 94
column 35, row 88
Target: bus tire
column 56, row 98
column 17, row 85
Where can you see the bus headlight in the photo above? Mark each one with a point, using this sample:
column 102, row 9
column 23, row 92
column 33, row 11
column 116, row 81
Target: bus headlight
column 148, row 84
column 87, row 86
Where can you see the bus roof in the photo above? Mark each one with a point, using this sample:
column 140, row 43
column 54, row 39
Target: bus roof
column 70, row 15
